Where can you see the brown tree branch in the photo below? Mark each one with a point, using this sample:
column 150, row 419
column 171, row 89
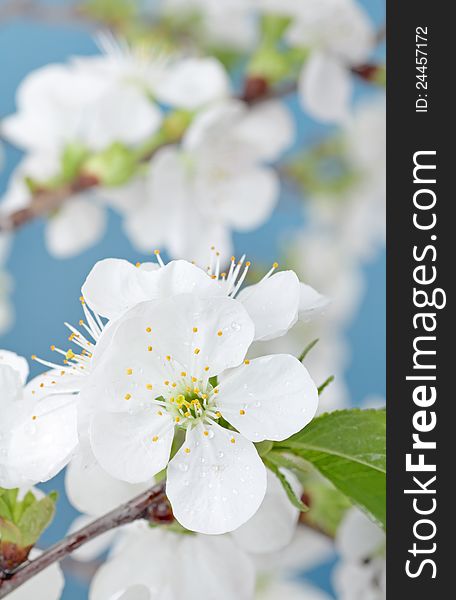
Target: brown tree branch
column 151, row 505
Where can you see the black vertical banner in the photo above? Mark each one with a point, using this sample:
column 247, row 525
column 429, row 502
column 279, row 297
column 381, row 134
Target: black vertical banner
column 421, row 220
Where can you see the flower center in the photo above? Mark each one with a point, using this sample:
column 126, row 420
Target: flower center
column 189, row 400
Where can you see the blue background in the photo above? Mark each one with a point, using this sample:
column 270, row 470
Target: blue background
column 46, row 290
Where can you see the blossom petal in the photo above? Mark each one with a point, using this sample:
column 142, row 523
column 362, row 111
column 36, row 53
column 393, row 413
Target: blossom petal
column 325, row 88
column 246, row 200
column 92, row 490
column 311, row 302
column 229, row 572
column 183, row 332
column 270, row 398
column 182, row 277
column 11, row 385
column 122, row 114
column 16, row 362
column 43, row 443
column 270, row 127
column 216, row 482
column 194, row 82
column 114, row 285
column 78, row 224
column 272, row 527
column 46, row 585
column 272, row 304
column 132, row 447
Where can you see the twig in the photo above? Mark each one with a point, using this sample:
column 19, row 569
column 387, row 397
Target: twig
column 152, row 505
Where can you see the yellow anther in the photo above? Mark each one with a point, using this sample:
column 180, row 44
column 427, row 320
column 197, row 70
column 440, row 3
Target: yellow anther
column 216, row 391
column 194, row 379
column 232, row 440
column 168, row 357
column 242, row 412
column 41, row 385
column 34, row 418
column 187, row 414
column 174, row 384
column 129, row 371
column 246, row 362
column 155, row 438
column 206, row 433
column 69, row 355
column 184, row 374
column 149, row 348
column 206, row 368
column 81, row 299
column 149, row 386
column 248, row 263
column 204, row 396
column 195, row 330
column 156, row 252
column 127, row 396
column 219, row 332
column 148, row 329
column 62, row 373
column 138, row 264
column 196, row 390
column 159, row 413
column 81, row 322
column 52, row 347
column 218, row 414
column 166, row 382
column 187, row 450
column 177, row 419
column 33, row 356
column 275, row 265
column 197, row 351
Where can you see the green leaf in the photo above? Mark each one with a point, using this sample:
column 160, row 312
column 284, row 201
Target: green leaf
column 349, row 449
column 35, row 519
column 297, row 502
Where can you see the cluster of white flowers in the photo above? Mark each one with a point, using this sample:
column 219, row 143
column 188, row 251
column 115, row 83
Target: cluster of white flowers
column 337, row 35
column 161, row 364
column 215, row 181
column 177, row 371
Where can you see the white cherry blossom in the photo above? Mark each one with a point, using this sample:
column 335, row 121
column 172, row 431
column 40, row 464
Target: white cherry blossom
column 38, row 430
column 217, row 181
column 163, row 564
column 274, row 303
column 338, row 35
column 93, row 102
column 156, row 379
column 361, row 572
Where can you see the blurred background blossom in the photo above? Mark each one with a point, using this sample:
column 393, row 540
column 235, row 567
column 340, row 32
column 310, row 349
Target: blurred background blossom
column 151, row 98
